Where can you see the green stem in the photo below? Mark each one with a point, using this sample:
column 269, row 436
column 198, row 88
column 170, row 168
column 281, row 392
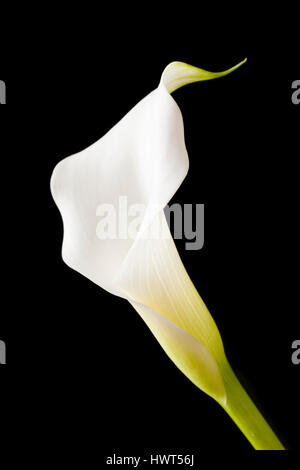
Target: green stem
column 244, row 413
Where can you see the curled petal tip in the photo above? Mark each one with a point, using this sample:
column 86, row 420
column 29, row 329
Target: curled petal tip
column 178, row 74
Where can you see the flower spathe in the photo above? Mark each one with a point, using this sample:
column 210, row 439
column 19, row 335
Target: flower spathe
column 144, row 158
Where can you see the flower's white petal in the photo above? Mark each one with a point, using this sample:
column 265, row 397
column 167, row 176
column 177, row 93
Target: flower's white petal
column 189, row 354
column 143, row 157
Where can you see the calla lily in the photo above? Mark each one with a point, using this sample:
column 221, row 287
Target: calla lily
column 144, row 158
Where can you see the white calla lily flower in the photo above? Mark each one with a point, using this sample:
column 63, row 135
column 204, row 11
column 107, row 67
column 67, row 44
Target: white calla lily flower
column 144, row 158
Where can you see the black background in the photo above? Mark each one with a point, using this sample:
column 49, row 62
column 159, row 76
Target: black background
column 83, row 373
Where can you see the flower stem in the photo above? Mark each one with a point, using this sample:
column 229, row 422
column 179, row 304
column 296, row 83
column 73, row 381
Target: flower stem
column 244, row 413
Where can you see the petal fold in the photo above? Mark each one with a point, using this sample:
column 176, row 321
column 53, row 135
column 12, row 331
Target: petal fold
column 187, row 353
column 154, row 275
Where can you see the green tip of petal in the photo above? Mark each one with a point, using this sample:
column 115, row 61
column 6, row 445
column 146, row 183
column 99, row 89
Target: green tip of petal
column 178, row 74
